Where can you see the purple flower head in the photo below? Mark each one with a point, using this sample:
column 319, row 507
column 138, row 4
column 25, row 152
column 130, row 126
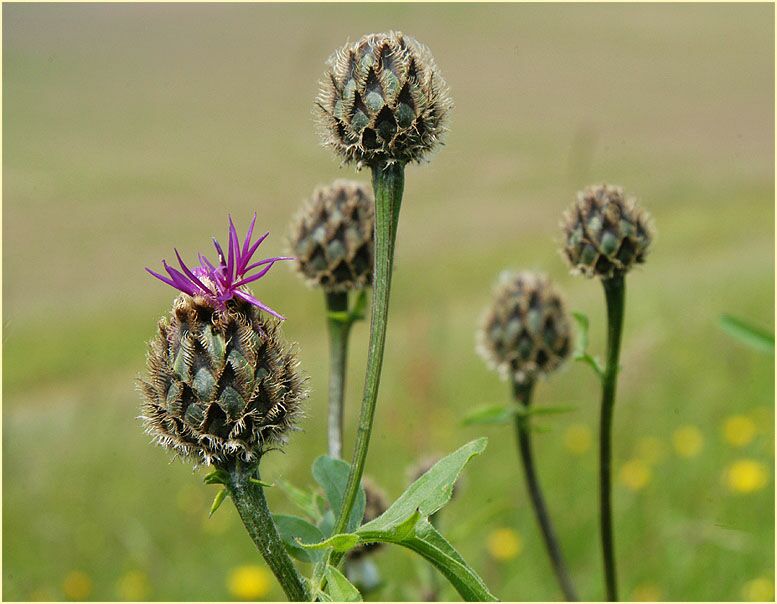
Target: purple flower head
column 226, row 279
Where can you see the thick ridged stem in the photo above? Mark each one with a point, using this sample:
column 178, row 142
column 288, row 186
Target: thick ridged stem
column 523, row 394
column 249, row 500
column 387, row 183
column 339, row 329
column 615, row 294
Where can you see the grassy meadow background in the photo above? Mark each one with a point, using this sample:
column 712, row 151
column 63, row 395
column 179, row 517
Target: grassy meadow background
column 130, row 129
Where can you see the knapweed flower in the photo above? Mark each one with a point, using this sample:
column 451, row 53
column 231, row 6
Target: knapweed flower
column 333, row 237
column 222, row 384
column 605, row 233
column 525, row 332
column 383, row 100
column 228, row 278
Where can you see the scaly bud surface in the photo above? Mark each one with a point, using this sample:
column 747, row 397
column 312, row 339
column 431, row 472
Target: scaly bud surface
column 525, row 332
column 605, row 233
column 333, row 237
column 221, row 384
column 383, row 100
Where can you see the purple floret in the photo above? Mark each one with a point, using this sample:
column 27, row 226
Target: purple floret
column 225, row 280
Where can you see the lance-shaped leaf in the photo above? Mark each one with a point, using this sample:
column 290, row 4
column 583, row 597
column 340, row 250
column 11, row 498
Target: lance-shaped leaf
column 339, row 588
column 756, row 338
column 332, row 475
column 295, row 531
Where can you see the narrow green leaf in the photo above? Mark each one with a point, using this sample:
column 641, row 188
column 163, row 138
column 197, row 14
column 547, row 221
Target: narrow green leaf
column 341, row 542
column 748, row 334
column 261, row 483
column 295, row 530
column 431, row 491
column 490, row 414
column 304, row 500
column 435, row 548
column 339, row 316
column 593, row 362
column 581, row 346
column 540, row 410
column 339, row 588
column 360, row 306
column 332, row 475
column 217, row 501
column 582, row 333
column 392, row 534
column 216, row 477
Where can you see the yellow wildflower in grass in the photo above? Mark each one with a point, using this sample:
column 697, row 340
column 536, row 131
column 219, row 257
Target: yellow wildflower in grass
column 646, row 592
column 688, row 441
column 635, row 474
column 746, row 476
column 504, row 544
column 133, row 585
column 759, row 590
column 249, row 582
column 77, row 585
column 651, row 449
column 577, row 439
column 739, row 430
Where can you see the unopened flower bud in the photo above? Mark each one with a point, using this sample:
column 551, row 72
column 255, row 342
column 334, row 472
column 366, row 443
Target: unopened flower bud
column 605, row 233
column 525, row 332
column 383, row 100
column 332, row 237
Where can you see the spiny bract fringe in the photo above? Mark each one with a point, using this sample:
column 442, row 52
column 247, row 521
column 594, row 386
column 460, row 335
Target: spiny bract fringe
column 605, row 233
column 221, row 385
column 332, row 237
column 383, row 100
column 525, row 333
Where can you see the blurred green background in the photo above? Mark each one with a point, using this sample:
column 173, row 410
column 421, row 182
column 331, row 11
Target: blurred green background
column 130, row 129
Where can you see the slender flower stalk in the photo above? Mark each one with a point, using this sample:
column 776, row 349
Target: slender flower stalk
column 339, row 330
column 382, row 103
column 248, row 497
column 525, row 334
column 605, row 235
column 615, row 295
column 522, row 393
column 388, row 185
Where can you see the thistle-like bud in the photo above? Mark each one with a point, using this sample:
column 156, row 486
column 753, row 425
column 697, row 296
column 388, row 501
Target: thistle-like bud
column 332, row 237
column 383, row 100
column 605, row 233
column 221, row 384
column 525, row 333
column 376, row 504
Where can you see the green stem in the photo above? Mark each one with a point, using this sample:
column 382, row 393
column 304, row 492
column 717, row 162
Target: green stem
column 338, row 352
column 523, row 395
column 252, row 507
column 387, row 183
column 615, row 294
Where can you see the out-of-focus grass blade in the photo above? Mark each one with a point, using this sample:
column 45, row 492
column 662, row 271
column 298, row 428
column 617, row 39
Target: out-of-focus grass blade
column 748, row 334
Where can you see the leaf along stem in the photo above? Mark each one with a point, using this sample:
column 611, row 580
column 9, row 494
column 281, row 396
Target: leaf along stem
column 615, row 295
column 388, row 184
column 523, row 396
column 339, row 330
column 251, row 504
